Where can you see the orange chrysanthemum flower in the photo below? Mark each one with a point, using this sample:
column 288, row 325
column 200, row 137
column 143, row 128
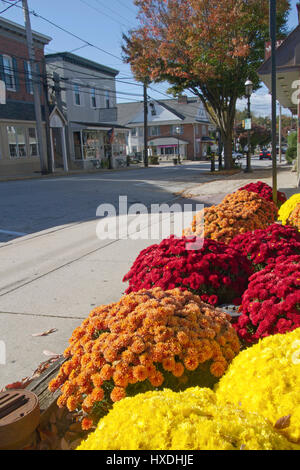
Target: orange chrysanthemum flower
column 240, row 212
column 87, row 424
column 117, row 394
column 140, row 373
column 142, row 334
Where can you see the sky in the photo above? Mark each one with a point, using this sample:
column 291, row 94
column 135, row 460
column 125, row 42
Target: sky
column 101, row 23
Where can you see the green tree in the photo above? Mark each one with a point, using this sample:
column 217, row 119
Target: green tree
column 259, row 135
column 291, row 153
column 209, row 47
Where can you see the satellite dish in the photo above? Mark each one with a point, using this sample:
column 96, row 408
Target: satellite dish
column 2, row 92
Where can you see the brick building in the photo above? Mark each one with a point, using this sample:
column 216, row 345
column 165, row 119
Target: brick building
column 174, row 126
column 18, row 136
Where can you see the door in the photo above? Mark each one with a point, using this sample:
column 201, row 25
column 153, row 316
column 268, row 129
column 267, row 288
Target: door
column 57, row 147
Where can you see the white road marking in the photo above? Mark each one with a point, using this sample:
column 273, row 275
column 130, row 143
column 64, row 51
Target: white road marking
column 8, row 232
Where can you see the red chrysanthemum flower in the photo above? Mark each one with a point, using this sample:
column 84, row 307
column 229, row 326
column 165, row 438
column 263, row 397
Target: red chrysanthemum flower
column 216, row 272
column 262, row 247
column 271, row 304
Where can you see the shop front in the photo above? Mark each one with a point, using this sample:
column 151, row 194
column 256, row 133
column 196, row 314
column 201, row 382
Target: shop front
column 97, row 146
column 167, row 148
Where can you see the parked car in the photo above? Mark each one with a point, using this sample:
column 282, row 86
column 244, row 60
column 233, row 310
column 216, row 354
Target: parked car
column 265, row 155
column 237, row 155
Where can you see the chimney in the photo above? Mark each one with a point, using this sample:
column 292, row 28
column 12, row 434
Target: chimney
column 298, row 8
column 183, row 99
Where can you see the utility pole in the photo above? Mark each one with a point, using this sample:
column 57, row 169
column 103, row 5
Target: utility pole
column 35, row 84
column 273, row 91
column 47, row 120
column 145, row 126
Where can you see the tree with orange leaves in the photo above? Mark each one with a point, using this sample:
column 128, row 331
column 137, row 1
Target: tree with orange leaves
column 208, row 47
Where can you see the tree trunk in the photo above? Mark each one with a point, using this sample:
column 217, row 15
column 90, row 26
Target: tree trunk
column 227, row 142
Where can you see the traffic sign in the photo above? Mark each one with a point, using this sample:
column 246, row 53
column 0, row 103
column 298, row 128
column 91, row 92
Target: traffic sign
column 248, row 124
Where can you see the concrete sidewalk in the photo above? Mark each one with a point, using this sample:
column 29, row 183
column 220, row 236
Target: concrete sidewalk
column 52, row 279
column 213, row 193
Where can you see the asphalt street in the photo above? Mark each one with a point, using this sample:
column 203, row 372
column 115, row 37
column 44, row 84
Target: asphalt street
column 30, row 206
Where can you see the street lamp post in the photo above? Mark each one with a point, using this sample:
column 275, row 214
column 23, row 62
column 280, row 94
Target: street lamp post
column 248, row 93
column 178, row 132
column 273, row 10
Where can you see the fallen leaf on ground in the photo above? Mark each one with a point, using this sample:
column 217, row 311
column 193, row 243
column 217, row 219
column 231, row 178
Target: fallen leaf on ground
column 50, row 353
column 45, row 333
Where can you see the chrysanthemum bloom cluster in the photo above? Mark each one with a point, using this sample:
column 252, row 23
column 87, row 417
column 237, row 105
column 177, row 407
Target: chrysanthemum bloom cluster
column 270, row 245
column 148, row 340
column 265, row 191
column 287, row 208
column 189, row 420
column 271, row 304
column 216, row 272
column 239, row 212
column 294, row 218
column 265, row 379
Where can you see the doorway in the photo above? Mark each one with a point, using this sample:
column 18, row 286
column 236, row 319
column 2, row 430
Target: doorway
column 57, row 148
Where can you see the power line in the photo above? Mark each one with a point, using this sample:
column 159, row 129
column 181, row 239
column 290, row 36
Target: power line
column 126, row 6
column 37, row 15
column 10, row 6
column 103, row 13
column 81, row 39
column 115, row 13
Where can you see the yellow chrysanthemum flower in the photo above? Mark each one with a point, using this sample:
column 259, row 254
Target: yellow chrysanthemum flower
column 189, row 420
column 287, row 208
column 266, row 379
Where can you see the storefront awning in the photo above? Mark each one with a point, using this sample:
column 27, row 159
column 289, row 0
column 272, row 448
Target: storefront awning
column 93, row 126
column 166, row 141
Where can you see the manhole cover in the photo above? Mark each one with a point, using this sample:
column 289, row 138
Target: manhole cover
column 19, row 417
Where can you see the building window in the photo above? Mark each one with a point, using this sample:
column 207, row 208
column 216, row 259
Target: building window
column 16, row 141
column 9, row 73
column 154, row 131
column 107, row 100
column 141, row 131
column 77, row 97
column 133, row 132
column 93, row 98
column 29, row 78
column 204, row 131
column 91, row 144
column 174, row 129
column 33, row 142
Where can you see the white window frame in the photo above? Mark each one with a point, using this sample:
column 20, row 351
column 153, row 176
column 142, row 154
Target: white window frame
column 157, row 133
column 37, row 143
column 11, row 72
column 134, row 132
column 173, row 129
column 18, row 157
column 77, row 84
column 29, row 77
